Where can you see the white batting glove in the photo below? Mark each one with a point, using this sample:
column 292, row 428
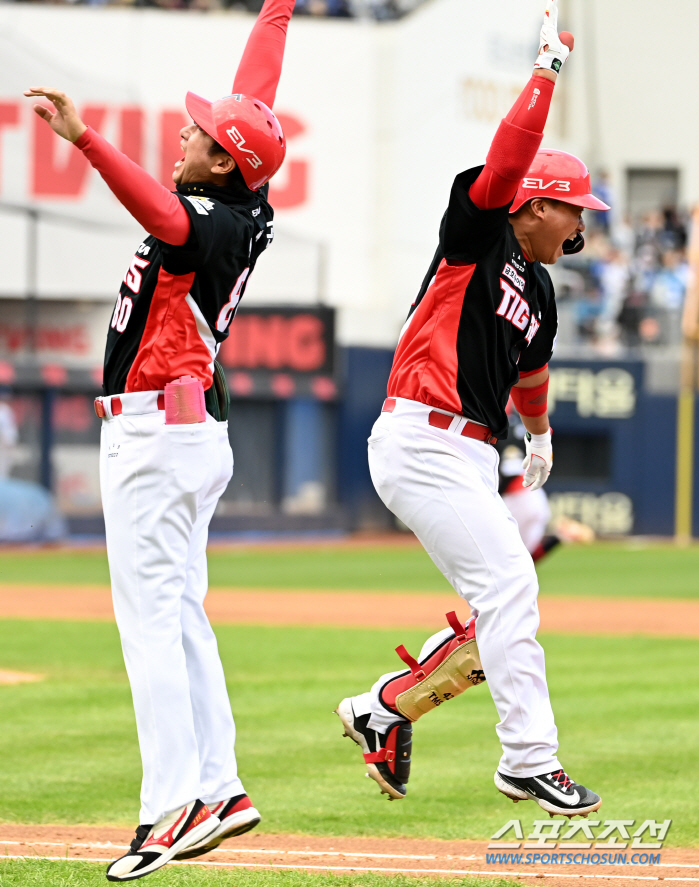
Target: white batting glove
column 552, row 52
column 537, row 463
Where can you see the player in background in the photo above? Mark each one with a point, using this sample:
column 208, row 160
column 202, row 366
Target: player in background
column 482, row 326
column 9, row 436
column 165, row 455
column 531, row 509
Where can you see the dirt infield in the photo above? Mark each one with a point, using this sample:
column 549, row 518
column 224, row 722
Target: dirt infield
column 326, row 855
column 600, row 616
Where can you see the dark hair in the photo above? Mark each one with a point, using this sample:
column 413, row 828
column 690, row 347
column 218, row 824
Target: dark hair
column 215, row 148
column 234, row 178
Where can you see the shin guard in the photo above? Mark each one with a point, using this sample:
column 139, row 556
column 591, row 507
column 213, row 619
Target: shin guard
column 446, row 672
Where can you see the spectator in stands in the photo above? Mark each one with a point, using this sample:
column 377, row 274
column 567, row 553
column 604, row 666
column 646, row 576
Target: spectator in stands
column 603, row 188
column 333, row 8
column 667, row 295
column 634, row 283
column 614, row 282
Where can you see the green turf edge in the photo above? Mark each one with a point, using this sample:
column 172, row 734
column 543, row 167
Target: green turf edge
column 630, row 569
column 49, row 873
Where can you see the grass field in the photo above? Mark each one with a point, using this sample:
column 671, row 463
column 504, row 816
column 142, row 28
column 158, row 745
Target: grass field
column 40, row 873
column 625, row 707
column 626, row 711
column 603, row 569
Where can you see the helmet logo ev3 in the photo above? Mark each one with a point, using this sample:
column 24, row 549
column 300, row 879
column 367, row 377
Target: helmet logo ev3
column 539, row 184
column 239, row 141
column 245, row 127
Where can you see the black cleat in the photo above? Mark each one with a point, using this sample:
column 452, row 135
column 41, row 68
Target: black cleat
column 554, row 792
column 387, row 755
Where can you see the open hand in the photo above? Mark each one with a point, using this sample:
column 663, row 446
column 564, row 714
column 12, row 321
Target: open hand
column 64, row 120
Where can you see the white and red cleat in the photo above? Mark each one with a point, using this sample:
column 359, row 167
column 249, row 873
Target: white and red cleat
column 155, row 845
column 236, row 816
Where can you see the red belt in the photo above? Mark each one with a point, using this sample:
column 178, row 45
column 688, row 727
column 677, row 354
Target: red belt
column 444, row 420
column 117, row 407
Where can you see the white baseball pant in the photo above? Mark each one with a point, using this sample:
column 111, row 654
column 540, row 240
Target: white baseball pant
column 445, row 488
column 160, row 485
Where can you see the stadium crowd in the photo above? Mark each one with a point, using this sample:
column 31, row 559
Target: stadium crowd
column 381, row 10
column 627, row 288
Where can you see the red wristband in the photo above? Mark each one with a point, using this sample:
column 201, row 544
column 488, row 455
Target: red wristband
column 531, row 402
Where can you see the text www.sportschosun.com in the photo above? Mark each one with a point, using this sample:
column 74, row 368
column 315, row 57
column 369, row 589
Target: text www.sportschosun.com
column 572, row 859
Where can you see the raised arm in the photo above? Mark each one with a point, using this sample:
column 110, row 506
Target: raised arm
column 261, row 65
column 520, row 133
column 158, row 210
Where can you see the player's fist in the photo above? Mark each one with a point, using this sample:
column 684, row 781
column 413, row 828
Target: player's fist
column 64, row 119
column 537, row 463
column 554, row 49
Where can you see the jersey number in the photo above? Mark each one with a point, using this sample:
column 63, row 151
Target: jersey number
column 226, row 313
column 134, row 278
column 122, row 312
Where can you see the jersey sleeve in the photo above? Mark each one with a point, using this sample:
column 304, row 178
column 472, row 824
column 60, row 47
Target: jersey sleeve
column 540, row 352
column 213, row 229
column 469, row 233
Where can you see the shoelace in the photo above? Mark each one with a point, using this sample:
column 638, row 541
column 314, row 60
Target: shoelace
column 561, row 778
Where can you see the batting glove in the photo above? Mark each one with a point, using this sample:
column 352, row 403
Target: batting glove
column 552, row 52
column 537, row 463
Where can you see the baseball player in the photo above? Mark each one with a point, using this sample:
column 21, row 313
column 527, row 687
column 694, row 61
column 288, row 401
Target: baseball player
column 531, row 509
column 165, row 455
column 482, row 326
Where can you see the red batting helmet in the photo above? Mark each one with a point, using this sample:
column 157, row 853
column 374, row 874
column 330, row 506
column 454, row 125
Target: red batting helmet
column 247, row 129
column 558, row 176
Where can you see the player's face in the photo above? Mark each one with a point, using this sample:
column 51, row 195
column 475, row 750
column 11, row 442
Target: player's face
column 196, row 162
column 561, row 222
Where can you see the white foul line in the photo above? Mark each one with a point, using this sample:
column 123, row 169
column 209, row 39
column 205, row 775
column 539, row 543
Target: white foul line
column 353, row 868
column 259, row 851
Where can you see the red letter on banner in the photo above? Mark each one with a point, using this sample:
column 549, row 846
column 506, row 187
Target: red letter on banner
column 293, row 172
column 56, row 177
column 9, row 115
column 131, row 133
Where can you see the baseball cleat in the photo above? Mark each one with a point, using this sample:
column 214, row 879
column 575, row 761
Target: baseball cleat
column 387, row 755
column 554, row 792
column 155, row 845
column 237, row 816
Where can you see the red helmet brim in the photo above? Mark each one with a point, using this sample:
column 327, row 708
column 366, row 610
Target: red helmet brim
column 592, row 202
column 201, row 112
column 586, row 201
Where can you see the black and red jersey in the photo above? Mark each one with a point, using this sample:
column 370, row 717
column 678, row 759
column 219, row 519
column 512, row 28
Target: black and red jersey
column 176, row 302
column 483, row 314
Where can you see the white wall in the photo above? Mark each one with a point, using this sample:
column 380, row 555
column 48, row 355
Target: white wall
column 386, row 115
column 632, row 88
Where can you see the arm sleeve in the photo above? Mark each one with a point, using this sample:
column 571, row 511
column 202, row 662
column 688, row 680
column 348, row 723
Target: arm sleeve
column 261, row 65
column 514, row 146
column 150, row 203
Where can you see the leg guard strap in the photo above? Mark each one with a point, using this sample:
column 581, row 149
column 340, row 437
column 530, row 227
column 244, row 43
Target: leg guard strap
column 446, row 672
column 378, row 757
